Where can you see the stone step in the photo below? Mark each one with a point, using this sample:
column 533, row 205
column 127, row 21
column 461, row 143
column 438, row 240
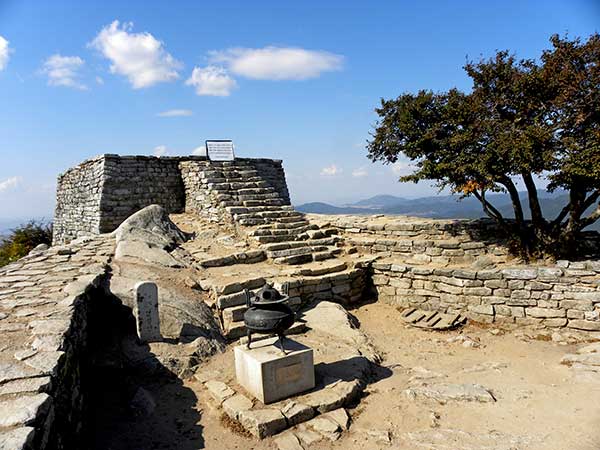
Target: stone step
column 295, row 251
column 295, row 244
column 256, row 209
column 258, row 186
column 327, row 254
column 269, row 214
column 282, row 226
column 295, row 259
column 252, row 203
column 265, row 196
column 284, row 245
column 230, row 173
column 317, row 271
column 279, row 232
column 274, row 238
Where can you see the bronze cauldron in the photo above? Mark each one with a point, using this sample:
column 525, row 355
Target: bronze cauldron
column 267, row 313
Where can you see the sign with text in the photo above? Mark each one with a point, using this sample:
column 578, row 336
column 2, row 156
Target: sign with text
column 220, row 150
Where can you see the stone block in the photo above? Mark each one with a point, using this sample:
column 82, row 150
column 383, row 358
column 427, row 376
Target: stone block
column 262, row 423
column 146, row 312
column 269, row 375
column 233, row 406
column 296, row 413
column 219, row 391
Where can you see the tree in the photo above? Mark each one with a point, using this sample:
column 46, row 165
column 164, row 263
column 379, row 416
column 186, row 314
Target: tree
column 23, row 239
column 523, row 120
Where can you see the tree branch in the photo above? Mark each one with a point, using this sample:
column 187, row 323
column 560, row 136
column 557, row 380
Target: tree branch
column 514, row 196
column 488, row 208
column 595, row 215
column 537, row 217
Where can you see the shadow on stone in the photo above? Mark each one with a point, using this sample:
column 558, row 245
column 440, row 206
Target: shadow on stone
column 134, row 400
column 356, row 368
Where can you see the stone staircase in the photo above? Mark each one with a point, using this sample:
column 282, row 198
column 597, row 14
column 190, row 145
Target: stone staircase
column 283, row 233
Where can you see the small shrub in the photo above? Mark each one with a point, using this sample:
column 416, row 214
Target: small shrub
column 23, row 239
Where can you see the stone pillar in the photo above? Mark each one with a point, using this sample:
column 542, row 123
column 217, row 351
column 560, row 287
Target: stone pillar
column 146, row 303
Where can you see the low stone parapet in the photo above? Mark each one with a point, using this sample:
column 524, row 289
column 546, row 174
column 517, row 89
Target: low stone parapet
column 564, row 295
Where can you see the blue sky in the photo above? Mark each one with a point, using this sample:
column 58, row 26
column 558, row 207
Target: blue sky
column 291, row 80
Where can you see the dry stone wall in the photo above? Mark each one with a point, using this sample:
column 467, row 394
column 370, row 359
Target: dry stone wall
column 564, row 295
column 44, row 317
column 134, row 182
column 422, row 242
column 78, row 196
column 99, row 194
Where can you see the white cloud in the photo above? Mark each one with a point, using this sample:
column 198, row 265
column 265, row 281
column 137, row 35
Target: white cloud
column 99, row 80
column 277, row 63
column 160, row 150
column 138, row 56
column 199, row 151
column 360, row 172
column 401, row 168
column 331, row 171
column 175, row 113
column 211, row 80
column 5, row 52
column 10, row 183
column 64, row 71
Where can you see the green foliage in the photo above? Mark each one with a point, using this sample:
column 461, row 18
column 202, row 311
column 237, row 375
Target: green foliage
column 23, row 239
column 523, row 119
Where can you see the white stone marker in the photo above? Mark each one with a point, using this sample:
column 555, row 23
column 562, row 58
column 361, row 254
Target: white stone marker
column 148, row 321
column 269, row 375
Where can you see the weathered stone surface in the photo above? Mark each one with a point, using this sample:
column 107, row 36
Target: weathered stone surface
column 326, row 427
column 296, row 413
column 288, row 441
column 17, row 439
column 584, row 325
column 35, row 384
column 219, row 390
column 233, row 406
column 45, row 362
column 146, row 312
column 262, row 422
column 339, row 416
column 443, row 393
column 23, row 410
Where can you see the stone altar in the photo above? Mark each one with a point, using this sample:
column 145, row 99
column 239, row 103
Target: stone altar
column 270, row 375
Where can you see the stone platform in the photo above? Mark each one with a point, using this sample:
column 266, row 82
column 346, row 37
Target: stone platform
column 270, row 375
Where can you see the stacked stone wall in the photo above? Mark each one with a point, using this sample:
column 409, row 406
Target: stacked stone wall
column 134, row 182
column 77, row 211
column 198, row 197
column 564, row 295
column 99, row 194
column 271, row 171
column 425, row 242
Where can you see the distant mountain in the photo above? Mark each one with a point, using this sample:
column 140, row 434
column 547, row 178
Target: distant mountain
column 325, row 208
column 381, row 201
column 442, row 206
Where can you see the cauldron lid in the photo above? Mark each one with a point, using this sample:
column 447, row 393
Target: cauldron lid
column 268, row 295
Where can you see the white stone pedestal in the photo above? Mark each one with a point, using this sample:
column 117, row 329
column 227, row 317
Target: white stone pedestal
column 269, row 375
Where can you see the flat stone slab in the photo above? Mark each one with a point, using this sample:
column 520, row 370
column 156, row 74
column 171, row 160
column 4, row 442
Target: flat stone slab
column 22, row 410
column 219, row 390
column 16, row 439
column 452, row 392
column 262, row 423
column 269, row 375
column 233, row 406
column 296, row 413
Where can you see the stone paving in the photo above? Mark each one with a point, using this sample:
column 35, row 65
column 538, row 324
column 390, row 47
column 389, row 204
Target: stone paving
column 42, row 324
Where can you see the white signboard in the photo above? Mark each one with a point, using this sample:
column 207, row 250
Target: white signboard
column 221, row 150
